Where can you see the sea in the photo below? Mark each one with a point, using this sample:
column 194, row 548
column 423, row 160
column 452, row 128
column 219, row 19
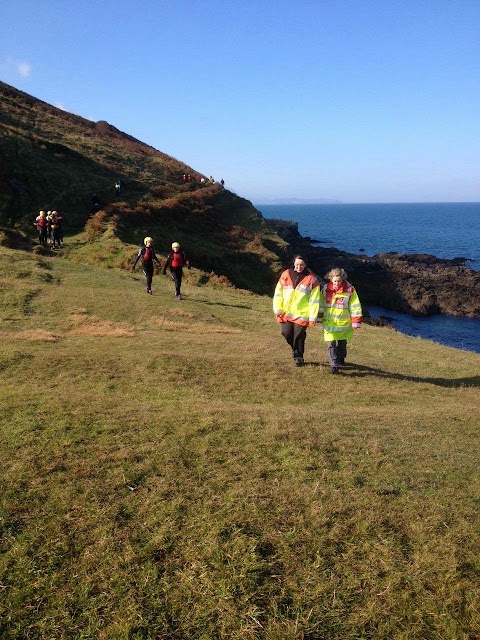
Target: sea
column 445, row 229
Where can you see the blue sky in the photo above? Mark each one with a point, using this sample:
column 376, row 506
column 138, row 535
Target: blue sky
column 359, row 101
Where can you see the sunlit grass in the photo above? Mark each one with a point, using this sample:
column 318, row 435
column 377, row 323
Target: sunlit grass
column 168, row 473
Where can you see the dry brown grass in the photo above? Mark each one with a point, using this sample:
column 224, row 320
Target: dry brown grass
column 168, row 324
column 30, row 335
column 85, row 325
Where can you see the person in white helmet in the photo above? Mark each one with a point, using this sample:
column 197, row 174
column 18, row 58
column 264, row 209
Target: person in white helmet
column 176, row 260
column 148, row 257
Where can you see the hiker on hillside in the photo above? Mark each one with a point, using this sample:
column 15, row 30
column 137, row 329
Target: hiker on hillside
column 41, row 224
column 176, row 260
column 341, row 313
column 118, row 187
column 96, row 204
column 148, row 257
column 57, row 234
column 296, row 305
column 48, row 218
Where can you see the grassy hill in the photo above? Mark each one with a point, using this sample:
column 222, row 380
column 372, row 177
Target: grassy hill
column 56, row 160
column 168, row 474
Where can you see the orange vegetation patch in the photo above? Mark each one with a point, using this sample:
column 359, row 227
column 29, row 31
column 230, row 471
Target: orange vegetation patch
column 82, row 324
column 31, row 335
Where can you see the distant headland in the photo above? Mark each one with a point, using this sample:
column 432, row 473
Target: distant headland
column 298, row 201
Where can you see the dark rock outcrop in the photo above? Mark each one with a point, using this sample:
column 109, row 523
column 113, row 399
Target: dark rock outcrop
column 416, row 284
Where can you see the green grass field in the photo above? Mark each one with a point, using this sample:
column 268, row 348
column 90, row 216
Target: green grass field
column 167, row 473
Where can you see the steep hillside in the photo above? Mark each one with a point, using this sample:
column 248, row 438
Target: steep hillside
column 56, row 160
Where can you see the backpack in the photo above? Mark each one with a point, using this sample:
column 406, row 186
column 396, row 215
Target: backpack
column 148, row 255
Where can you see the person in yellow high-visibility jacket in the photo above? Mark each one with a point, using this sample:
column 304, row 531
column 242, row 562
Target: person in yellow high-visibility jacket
column 296, row 305
column 341, row 313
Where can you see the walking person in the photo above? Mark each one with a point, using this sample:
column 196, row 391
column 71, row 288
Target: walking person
column 147, row 255
column 176, row 260
column 41, row 224
column 341, row 313
column 57, row 234
column 49, row 219
column 296, row 304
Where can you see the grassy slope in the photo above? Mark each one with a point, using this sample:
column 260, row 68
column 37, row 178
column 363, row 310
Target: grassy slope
column 58, row 161
column 168, row 474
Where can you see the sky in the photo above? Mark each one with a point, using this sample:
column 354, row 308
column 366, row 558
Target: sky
column 350, row 100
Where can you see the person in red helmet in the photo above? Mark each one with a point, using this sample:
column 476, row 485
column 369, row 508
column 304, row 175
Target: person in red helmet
column 176, row 260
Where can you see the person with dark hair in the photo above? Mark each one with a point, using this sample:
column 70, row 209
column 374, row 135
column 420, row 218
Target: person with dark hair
column 96, row 204
column 147, row 255
column 57, row 233
column 341, row 313
column 176, row 260
column 296, row 304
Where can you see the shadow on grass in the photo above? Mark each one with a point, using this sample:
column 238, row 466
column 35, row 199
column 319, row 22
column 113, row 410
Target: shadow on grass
column 362, row 371
column 222, row 304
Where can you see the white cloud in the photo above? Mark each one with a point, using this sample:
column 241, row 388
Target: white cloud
column 12, row 67
column 24, row 69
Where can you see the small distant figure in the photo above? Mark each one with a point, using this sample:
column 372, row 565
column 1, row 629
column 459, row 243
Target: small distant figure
column 189, row 178
column 96, row 204
column 341, row 313
column 148, row 257
column 176, row 260
column 202, row 180
column 41, row 224
column 48, row 218
column 184, row 178
column 222, row 182
column 57, row 232
column 118, row 187
column 212, row 180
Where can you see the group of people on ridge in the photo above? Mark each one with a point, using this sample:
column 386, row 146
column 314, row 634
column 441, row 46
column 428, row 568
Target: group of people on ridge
column 301, row 300
column 49, row 227
column 175, row 262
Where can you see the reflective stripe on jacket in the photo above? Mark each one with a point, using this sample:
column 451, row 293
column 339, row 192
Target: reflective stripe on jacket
column 299, row 304
column 341, row 312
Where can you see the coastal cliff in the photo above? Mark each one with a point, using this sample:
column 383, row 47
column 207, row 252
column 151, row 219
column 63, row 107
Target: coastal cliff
column 418, row 284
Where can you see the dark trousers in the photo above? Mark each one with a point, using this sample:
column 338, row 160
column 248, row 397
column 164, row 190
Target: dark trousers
column 177, row 274
column 147, row 268
column 337, row 352
column 295, row 335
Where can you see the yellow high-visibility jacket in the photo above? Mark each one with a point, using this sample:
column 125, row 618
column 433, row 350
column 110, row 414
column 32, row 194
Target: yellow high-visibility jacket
column 340, row 311
column 299, row 304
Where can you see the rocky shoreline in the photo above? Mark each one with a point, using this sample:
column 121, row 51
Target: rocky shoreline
column 418, row 284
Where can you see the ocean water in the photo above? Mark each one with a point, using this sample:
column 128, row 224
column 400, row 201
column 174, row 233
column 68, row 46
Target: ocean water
column 445, row 230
